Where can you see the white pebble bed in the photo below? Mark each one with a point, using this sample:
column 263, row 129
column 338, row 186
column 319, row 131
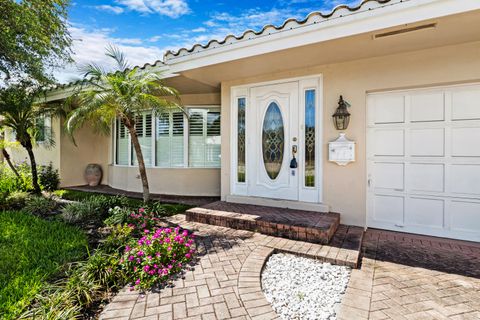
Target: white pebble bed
column 303, row 288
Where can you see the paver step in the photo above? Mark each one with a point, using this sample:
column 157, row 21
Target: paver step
column 315, row 227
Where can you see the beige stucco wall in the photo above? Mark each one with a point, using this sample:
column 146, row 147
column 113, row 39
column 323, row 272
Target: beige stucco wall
column 89, row 147
column 344, row 188
column 178, row 181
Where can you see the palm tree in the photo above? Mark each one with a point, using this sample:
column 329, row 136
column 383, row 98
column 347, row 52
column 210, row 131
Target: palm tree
column 124, row 94
column 20, row 112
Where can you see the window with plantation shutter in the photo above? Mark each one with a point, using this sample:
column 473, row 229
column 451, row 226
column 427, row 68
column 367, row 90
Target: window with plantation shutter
column 204, row 138
column 164, row 141
column 122, row 144
column 170, row 140
column 143, row 127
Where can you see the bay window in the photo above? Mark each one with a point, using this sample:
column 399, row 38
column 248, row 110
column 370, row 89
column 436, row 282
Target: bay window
column 173, row 139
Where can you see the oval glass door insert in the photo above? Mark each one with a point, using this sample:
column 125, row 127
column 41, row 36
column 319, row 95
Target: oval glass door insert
column 273, row 140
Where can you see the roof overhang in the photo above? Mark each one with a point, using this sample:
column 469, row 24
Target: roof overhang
column 371, row 16
column 319, row 39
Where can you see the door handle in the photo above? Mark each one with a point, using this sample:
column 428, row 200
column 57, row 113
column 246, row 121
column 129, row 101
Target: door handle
column 293, row 162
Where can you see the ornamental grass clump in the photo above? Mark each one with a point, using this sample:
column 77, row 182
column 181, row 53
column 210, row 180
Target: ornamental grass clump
column 157, row 256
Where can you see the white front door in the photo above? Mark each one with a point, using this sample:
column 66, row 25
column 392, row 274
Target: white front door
column 424, row 161
column 274, row 134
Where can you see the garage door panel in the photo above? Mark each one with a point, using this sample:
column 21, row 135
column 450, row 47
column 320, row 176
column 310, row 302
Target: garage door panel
column 430, row 145
column 465, row 142
column 466, row 104
column 465, row 216
column 426, row 177
column 465, row 179
column 389, row 142
column 427, row 107
column 425, row 212
column 388, row 109
column 390, row 175
column 389, row 209
column 427, row 142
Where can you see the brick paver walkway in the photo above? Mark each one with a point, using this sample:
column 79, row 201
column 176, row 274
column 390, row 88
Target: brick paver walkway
column 226, row 281
column 409, row 277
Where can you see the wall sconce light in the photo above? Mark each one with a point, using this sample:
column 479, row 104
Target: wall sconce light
column 341, row 117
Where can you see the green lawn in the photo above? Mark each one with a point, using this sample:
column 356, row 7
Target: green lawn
column 31, row 251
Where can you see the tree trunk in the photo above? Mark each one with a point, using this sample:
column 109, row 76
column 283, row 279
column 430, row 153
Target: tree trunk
column 141, row 162
column 6, row 156
column 27, row 144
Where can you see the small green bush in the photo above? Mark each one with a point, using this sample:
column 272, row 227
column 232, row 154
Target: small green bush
column 117, row 239
column 40, row 205
column 79, row 212
column 93, row 209
column 9, row 182
column 49, row 178
column 117, row 215
column 16, row 200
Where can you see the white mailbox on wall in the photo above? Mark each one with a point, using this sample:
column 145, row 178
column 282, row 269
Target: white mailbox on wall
column 341, row 151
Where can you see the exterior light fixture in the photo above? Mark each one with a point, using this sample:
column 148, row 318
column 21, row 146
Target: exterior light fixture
column 341, row 117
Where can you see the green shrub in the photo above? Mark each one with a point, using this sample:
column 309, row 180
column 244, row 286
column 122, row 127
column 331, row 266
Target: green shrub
column 16, row 200
column 117, row 216
column 40, row 205
column 79, row 212
column 54, row 303
column 31, row 251
column 103, row 269
column 9, row 182
column 92, row 209
column 49, row 178
column 116, row 241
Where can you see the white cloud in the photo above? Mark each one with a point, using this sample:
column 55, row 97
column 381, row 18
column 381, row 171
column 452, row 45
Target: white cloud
column 89, row 47
column 127, row 40
column 108, row 8
column 169, row 8
column 200, row 29
column 154, row 38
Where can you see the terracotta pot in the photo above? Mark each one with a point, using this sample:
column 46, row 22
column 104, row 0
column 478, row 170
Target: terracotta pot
column 93, row 174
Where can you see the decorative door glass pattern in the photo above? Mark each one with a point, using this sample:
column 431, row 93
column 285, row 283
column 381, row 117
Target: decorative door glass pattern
column 273, row 140
column 310, row 138
column 241, row 169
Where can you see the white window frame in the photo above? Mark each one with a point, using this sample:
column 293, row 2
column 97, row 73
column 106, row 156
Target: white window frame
column 186, row 135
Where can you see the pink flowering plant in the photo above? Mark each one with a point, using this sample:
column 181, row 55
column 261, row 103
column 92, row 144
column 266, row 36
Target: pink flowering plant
column 157, row 256
column 142, row 220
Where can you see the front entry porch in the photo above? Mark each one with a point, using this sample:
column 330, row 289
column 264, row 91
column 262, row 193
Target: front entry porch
column 293, row 224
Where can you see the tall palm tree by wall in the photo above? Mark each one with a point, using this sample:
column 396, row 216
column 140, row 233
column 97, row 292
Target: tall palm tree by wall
column 20, row 112
column 124, row 94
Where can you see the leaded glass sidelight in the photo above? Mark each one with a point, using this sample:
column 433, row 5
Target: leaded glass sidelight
column 241, row 169
column 310, row 138
column 273, row 140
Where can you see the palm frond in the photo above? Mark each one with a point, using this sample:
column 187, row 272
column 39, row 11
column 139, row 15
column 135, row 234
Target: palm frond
column 119, row 57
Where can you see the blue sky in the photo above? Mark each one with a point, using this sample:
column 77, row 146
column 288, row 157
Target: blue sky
column 145, row 29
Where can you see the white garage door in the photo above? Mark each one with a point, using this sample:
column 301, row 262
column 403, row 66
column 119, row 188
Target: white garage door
column 423, row 150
